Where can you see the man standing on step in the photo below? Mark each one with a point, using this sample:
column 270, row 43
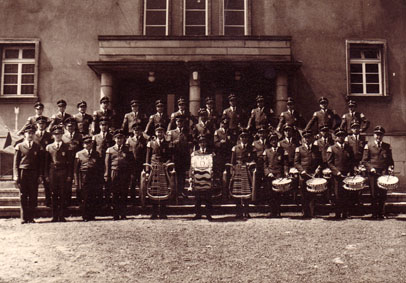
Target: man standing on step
column 39, row 109
column 26, row 173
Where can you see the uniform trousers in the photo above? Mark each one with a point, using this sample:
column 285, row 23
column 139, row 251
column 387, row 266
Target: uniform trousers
column 88, row 185
column 203, row 197
column 57, row 180
column 378, row 195
column 308, row 198
column 276, row 197
column 28, row 194
column 120, row 180
column 135, row 180
column 341, row 197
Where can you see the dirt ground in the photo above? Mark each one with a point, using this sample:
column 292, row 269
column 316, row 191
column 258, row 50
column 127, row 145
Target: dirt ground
column 224, row 250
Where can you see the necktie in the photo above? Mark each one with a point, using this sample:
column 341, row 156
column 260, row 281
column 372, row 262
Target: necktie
column 40, row 134
column 29, row 144
column 57, row 146
column 379, row 144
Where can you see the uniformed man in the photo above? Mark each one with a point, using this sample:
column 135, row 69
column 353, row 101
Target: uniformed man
column 73, row 139
column 27, row 165
column 204, row 128
column 158, row 151
column 378, row 160
column 133, row 117
column 234, row 116
column 88, row 165
column 138, row 147
column 260, row 116
column 291, row 117
column 324, row 117
column 102, row 141
column 222, row 149
column 118, row 163
column 307, row 162
column 181, row 143
column 275, row 166
column 184, row 112
column 243, row 153
column 212, row 114
column 354, row 115
column 32, row 120
column 60, row 117
column 103, row 112
column 158, row 118
column 202, row 196
column 58, row 173
column 340, row 160
column 42, row 137
column 259, row 147
column 83, row 120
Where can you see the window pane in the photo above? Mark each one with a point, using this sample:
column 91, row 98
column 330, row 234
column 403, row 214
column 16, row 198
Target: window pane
column 356, row 78
column 11, row 53
column 28, row 68
column 155, row 31
column 195, row 18
column 156, row 4
column 234, row 4
column 372, row 88
column 371, row 68
column 356, row 88
column 27, row 79
column 371, row 54
column 355, row 53
column 356, row 68
column 11, row 68
column 28, row 53
column 372, row 78
column 27, row 89
column 195, row 31
column 234, row 18
column 195, row 4
column 233, row 31
column 10, row 79
column 156, row 18
column 10, row 89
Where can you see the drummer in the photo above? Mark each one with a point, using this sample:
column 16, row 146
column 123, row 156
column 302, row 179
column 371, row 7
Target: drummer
column 259, row 146
column 202, row 196
column 307, row 162
column 340, row 160
column 275, row 166
column 378, row 160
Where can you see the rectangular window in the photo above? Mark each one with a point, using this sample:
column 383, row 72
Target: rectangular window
column 156, row 17
column 235, row 17
column 196, row 17
column 18, row 69
column 366, row 68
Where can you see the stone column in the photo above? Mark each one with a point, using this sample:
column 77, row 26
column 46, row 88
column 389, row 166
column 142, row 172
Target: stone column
column 281, row 91
column 170, row 103
column 106, row 86
column 194, row 92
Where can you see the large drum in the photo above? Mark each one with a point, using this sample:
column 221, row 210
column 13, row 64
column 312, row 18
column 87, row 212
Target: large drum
column 316, row 185
column 201, row 172
column 281, row 185
column 242, row 181
column 355, row 183
column 159, row 183
column 388, row 182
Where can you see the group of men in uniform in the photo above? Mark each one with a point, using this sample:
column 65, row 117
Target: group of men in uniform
column 105, row 158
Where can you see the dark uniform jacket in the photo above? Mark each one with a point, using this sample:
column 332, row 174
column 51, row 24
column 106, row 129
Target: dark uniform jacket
column 32, row 120
column 204, row 129
column 133, row 118
column 355, row 116
column 189, row 119
column 289, row 145
column 235, row 118
column 138, row 147
column 377, row 157
column 275, row 161
column 181, row 143
column 101, row 143
column 213, row 117
column 307, row 159
column 155, row 119
column 292, row 118
column 260, row 117
column 27, row 158
column 324, row 118
column 83, row 121
column 323, row 145
column 43, row 140
column 158, row 151
column 120, row 159
column 91, row 164
column 241, row 154
column 340, row 158
column 357, row 144
column 58, row 118
column 259, row 147
column 98, row 114
column 58, row 158
column 74, row 141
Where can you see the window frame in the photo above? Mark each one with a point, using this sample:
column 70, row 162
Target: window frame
column 144, row 29
column 247, row 18
column 207, row 18
column 382, row 66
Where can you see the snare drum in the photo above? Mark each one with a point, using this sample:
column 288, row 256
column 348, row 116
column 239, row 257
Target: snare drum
column 326, row 173
column 388, row 182
column 354, row 183
column 281, row 185
column 293, row 172
column 316, row 185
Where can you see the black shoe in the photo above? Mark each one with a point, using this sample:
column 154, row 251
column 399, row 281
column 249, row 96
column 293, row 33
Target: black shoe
column 31, row 221
column 374, row 216
column 154, row 216
column 163, row 216
column 54, row 219
column 85, row 220
column 24, row 222
column 247, row 215
column 239, row 216
column 62, row 219
column 123, row 217
column 197, row 216
column 116, row 218
column 381, row 216
column 209, row 217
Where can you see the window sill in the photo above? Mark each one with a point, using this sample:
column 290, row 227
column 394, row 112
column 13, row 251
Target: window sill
column 18, row 99
column 366, row 95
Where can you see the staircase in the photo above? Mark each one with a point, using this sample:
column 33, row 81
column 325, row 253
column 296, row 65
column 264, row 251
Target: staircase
column 10, row 204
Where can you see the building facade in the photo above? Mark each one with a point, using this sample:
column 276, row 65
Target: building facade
column 150, row 49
